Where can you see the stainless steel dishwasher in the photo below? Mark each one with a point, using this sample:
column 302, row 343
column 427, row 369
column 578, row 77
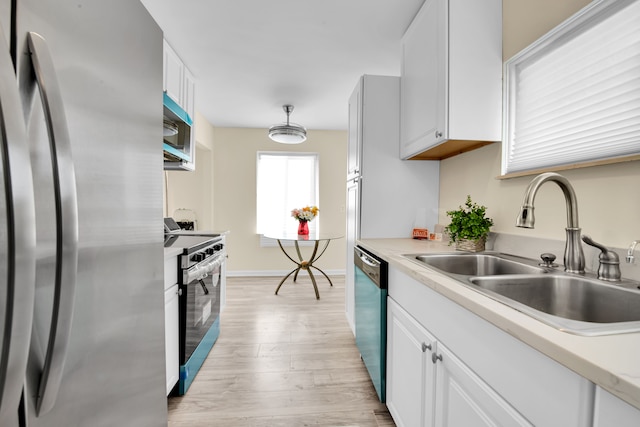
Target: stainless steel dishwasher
column 371, row 315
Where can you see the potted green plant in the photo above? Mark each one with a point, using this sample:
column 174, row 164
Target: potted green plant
column 469, row 226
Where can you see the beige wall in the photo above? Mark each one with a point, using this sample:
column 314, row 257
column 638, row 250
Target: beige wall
column 524, row 21
column 235, row 196
column 194, row 190
column 608, row 196
column 223, row 192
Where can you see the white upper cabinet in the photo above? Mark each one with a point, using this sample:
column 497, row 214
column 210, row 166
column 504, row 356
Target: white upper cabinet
column 423, row 81
column 355, row 132
column 451, row 79
column 189, row 93
column 173, row 74
column 179, row 83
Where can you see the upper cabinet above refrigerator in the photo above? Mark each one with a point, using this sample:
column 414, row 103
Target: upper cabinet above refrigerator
column 451, row 79
column 179, row 111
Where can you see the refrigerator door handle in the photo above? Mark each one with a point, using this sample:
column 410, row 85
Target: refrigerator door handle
column 66, row 222
column 17, row 287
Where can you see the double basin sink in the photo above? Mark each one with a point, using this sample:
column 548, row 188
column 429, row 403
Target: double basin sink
column 572, row 303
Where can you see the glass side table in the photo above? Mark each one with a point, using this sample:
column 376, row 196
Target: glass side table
column 321, row 242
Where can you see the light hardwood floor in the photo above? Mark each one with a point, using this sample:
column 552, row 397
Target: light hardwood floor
column 282, row 361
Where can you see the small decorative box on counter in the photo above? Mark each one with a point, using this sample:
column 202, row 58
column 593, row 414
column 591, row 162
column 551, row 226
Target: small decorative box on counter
column 420, row 233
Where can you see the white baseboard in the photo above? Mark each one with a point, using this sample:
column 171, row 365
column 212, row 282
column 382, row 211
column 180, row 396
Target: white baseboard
column 281, row 273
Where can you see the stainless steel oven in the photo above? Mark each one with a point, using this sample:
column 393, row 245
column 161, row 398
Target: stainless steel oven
column 200, row 275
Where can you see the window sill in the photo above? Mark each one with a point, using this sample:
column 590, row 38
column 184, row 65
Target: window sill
column 570, row 166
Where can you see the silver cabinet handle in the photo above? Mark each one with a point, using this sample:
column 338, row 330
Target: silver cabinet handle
column 17, row 287
column 436, row 357
column 438, row 134
column 66, row 222
column 425, row 347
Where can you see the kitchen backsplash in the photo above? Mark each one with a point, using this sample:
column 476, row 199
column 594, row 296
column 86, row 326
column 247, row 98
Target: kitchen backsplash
column 533, row 247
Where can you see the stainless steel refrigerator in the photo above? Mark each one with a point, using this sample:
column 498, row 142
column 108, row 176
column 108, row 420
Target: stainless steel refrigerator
column 81, row 252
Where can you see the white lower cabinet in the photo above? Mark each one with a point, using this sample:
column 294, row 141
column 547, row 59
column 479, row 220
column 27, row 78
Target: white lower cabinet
column 613, row 411
column 171, row 342
column 463, row 399
column 446, row 366
column 171, row 329
column 427, row 385
column 410, row 372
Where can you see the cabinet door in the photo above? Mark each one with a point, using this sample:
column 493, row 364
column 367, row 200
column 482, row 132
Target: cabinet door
column 189, row 93
column 353, row 214
column 613, row 411
column 171, row 340
column 355, row 131
column 463, row 399
column 173, row 74
column 423, row 81
column 410, row 371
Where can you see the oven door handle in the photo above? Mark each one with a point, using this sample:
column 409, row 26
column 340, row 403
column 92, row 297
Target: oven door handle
column 203, row 269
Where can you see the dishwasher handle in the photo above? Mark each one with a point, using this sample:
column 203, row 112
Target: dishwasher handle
column 374, row 268
column 371, row 262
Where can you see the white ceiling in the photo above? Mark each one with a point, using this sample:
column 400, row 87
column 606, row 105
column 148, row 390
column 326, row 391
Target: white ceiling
column 249, row 57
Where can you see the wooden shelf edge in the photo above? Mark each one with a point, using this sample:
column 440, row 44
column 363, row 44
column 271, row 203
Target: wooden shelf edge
column 449, row 148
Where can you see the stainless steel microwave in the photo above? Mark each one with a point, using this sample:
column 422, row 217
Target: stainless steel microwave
column 178, row 137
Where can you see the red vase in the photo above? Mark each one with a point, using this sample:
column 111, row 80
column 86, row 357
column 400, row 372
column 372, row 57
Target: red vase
column 303, row 228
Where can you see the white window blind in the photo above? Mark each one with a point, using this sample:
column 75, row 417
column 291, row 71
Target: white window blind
column 574, row 95
column 285, row 181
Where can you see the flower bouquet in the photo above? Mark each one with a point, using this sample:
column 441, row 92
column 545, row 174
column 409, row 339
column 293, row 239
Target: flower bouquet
column 304, row 215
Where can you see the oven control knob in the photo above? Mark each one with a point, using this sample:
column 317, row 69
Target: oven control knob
column 198, row 257
column 218, row 247
column 210, row 251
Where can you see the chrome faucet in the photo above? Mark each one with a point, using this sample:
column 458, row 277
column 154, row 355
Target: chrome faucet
column 632, row 248
column 609, row 268
column 573, row 254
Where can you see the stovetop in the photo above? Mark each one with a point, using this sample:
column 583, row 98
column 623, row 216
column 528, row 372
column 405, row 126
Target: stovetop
column 189, row 244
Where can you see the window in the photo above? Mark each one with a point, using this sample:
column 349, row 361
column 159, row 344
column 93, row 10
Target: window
column 573, row 97
column 285, row 181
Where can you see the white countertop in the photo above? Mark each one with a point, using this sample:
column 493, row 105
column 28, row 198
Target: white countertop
column 611, row 361
column 172, row 252
column 175, row 251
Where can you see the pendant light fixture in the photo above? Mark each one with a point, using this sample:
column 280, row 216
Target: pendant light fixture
column 288, row 133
